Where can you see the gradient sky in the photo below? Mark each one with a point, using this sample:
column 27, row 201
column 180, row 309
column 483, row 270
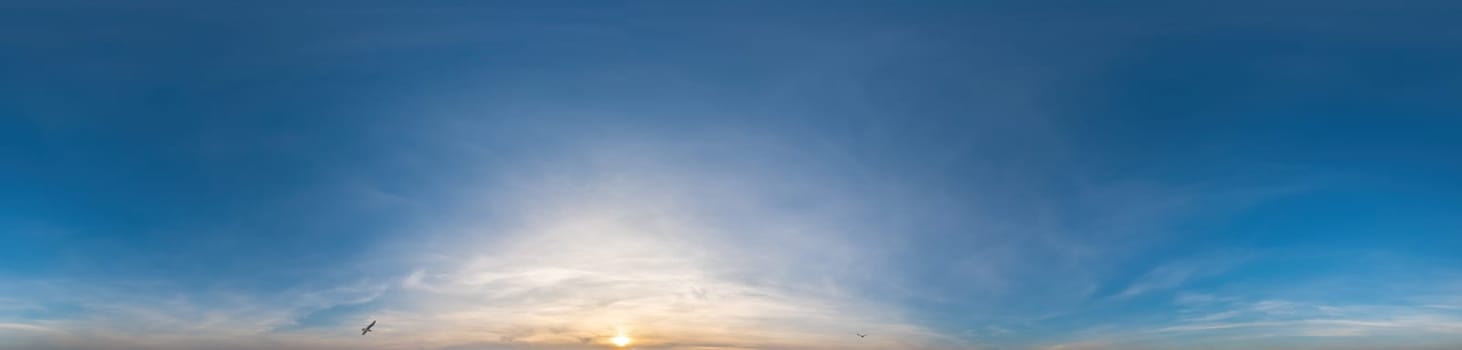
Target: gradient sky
column 731, row 175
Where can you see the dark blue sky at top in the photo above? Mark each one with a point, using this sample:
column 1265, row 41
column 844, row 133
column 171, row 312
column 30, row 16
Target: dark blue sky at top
column 221, row 146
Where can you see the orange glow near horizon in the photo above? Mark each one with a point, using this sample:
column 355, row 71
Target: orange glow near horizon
column 620, row 340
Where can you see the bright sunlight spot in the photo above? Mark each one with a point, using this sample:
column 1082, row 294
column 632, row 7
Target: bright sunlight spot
column 620, row 340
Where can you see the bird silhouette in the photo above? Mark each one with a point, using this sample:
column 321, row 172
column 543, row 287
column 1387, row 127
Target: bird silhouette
column 367, row 328
column 861, row 335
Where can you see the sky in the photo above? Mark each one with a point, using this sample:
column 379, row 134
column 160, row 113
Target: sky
column 699, row 175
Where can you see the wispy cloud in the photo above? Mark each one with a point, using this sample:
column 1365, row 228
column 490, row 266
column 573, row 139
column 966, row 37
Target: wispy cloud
column 675, row 259
column 1245, row 320
column 1175, row 274
column 24, row 327
column 158, row 315
column 641, row 258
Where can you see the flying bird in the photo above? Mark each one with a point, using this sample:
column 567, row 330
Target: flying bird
column 861, row 335
column 367, row 329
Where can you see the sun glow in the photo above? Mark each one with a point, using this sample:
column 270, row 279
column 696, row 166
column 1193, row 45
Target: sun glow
column 620, row 340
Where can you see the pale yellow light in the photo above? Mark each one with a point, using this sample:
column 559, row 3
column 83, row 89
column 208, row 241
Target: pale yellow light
column 620, row 340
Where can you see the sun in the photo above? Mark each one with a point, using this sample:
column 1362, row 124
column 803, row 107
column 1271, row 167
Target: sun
column 620, row 340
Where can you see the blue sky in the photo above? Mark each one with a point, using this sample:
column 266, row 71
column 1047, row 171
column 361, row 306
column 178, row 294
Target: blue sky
column 731, row 175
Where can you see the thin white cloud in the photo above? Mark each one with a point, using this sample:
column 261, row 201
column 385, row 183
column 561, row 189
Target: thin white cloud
column 24, row 327
column 675, row 259
column 652, row 259
column 1176, row 274
column 1230, row 322
column 1215, row 316
column 137, row 315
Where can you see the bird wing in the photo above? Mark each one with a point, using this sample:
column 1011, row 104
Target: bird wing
column 373, row 324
